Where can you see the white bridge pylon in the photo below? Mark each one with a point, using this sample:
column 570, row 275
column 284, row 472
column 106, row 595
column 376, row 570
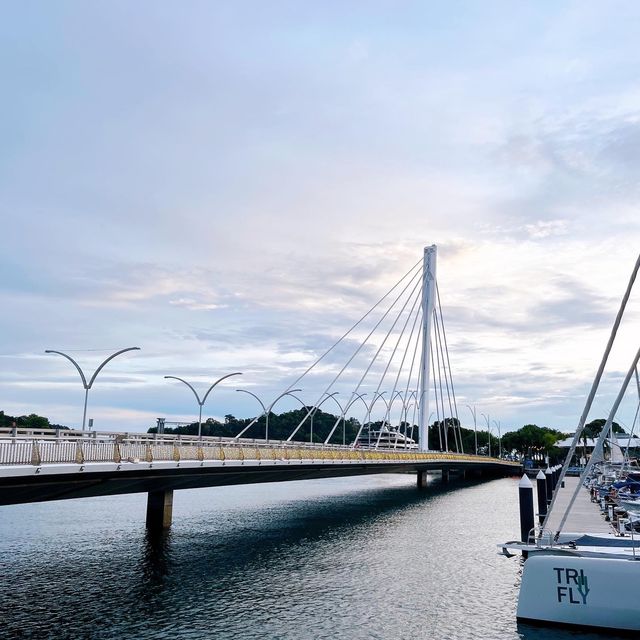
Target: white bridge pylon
column 394, row 359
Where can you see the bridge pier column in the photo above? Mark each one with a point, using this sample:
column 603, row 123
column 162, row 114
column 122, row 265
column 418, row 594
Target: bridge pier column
column 159, row 509
column 422, row 479
column 445, row 475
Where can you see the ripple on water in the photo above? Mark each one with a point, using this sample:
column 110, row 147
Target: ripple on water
column 345, row 558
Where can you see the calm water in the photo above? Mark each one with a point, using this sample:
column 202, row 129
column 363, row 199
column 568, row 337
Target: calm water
column 344, row 558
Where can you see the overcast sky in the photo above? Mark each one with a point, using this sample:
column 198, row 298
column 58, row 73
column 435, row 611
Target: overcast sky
column 230, row 185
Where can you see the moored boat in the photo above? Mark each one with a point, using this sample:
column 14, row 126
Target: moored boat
column 580, row 579
column 384, row 438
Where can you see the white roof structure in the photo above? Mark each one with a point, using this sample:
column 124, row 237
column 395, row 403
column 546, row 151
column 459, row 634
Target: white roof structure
column 623, row 440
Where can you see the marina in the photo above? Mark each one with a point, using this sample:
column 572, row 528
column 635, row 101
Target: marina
column 573, row 565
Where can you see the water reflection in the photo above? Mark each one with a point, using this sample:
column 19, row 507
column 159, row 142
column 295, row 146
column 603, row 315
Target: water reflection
column 156, row 562
column 348, row 558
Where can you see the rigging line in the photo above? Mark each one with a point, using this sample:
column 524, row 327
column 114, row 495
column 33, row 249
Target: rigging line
column 635, row 419
column 416, row 287
column 417, row 277
column 393, row 353
column 335, row 344
column 598, row 449
column 596, row 383
column 444, row 370
column 446, row 348
column 439, row 373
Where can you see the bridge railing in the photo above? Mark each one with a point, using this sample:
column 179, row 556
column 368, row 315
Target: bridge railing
column 119, row 448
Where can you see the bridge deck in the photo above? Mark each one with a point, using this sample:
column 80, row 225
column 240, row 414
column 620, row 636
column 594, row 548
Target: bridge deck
column 40, row 469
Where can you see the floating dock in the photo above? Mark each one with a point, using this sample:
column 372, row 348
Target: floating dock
column 585, row 516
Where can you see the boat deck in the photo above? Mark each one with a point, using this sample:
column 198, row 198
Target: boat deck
column 585, row 515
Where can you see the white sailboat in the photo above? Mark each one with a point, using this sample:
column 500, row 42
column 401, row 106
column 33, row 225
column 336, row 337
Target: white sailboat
column 576, row 578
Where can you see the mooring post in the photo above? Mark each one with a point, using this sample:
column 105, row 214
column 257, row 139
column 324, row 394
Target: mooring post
column 541, row 486
column 527, row 519
column 422, row 479
column 159, row 509
column 554, row 477
column 548, row 476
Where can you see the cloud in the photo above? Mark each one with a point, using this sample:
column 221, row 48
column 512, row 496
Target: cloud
column 543, row 229
column 237, row 196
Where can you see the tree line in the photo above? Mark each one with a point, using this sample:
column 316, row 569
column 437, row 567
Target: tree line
column 32, row 421
column 527, row 440
column 530, row 440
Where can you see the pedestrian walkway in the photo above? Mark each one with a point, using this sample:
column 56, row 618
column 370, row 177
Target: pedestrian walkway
column 585, row 515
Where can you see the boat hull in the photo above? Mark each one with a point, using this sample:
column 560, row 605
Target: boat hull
column 568, row 589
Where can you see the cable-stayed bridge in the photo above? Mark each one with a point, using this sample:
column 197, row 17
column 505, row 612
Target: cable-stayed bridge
column 394, row 359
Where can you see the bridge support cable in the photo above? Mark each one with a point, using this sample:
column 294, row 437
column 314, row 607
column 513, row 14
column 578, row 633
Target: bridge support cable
column 441, row 361
column 412, row 273
column 416, row 408
column 448, row 365
column 407, row 395
column 416, row 284
column 401, row 367
column 393, row 353
column 442, row 433
column 439, row 388
column 414, row 270
column 379, row 350
column 415, row 281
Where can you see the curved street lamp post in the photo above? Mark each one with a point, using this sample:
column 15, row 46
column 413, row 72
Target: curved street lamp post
column 267, row 411
column 475, row 426
column 499, row 438
column 85, row 384
column 201, row 402
column 313, row 413
column 378, row 394
column 354, row 398
column 264, row 409
column 488, row 430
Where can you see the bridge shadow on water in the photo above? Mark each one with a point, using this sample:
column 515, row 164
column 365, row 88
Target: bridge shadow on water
column 261, row 539
column 346, row 558
column 221, row 548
